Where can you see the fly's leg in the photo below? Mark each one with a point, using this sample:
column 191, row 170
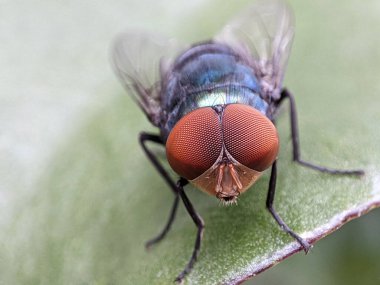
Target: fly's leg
column 197, row 219
column 145, row 137
column 179, row 192
column 269, row 203
column 296, row 144
column 166, row 229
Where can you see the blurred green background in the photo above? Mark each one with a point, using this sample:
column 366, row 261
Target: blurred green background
column 59, row 96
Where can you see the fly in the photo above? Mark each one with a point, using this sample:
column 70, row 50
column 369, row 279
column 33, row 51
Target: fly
column 215, row 105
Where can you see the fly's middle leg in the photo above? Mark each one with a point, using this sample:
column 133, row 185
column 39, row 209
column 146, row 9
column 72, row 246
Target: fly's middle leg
column 285, row 94
column 145, row 137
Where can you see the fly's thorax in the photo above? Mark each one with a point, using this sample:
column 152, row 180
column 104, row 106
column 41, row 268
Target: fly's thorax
column 222, row 149
column 207, row 75
column 218, row 95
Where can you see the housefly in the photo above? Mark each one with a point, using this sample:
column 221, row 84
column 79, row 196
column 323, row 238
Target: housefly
column 215, row 104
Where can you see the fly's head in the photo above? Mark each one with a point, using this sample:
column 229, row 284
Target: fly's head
column 222, row 150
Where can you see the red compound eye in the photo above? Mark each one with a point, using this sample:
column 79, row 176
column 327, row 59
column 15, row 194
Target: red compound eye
column 249, row 136
column 195, row 143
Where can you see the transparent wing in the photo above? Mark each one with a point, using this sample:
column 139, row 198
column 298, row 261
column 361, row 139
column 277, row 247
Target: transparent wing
column 141, row 60
column 263, row 34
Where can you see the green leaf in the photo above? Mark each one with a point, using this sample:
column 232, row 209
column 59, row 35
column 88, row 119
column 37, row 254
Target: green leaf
column 100, row 199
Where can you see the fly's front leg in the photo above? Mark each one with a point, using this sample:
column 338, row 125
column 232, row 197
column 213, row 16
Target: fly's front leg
column 197, row 219
column 269, row 203
column 145, row 137
column 285, row 94
column 179, row 192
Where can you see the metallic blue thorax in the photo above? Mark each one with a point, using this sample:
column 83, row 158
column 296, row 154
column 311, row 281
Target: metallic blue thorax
column 207, row 75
